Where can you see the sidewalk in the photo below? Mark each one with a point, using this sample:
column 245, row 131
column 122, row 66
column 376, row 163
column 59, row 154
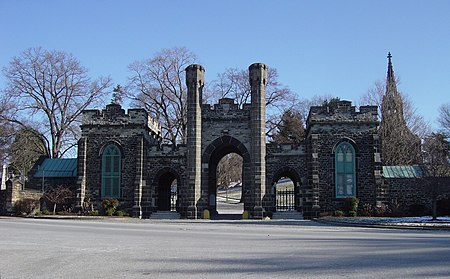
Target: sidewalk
column 423, row 222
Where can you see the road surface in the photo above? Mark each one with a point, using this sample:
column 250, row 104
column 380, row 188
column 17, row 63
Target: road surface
column 130, row 248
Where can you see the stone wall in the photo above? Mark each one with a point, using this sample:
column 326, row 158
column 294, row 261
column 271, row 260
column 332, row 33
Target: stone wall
column 287, row 160
column 329, row 126
column 161, row 161
column 406, row 193
column 15, row 192
column 131, row 132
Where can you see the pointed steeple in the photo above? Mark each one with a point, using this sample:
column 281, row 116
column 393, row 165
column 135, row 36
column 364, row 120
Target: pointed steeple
column 391, row 84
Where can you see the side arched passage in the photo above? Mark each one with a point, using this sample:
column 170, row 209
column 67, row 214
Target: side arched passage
column 168, row 185
column 286, row 197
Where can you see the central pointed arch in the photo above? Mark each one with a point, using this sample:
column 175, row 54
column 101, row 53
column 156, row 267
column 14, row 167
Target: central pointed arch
column 213, row 153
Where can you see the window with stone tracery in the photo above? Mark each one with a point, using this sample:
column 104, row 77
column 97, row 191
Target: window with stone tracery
column 345, row 170
column 111, row 171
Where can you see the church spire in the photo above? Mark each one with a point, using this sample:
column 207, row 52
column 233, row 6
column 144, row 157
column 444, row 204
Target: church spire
column 391, row 87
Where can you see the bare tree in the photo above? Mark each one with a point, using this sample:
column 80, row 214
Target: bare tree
column 436, row 165
column 304, row 105
column 234, row 83
column 27, row 147
column 50, row 88
column 402, row 128
column 229, row 169
column 58, row 196
column 444, row 118
column 158, row 84
column 414, row 121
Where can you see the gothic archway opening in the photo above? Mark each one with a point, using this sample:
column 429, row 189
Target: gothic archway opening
column 286, row 191
column 168, row 185
column 225, row 147
column 229, row 184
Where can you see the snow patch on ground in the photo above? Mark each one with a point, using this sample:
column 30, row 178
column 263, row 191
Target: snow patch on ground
column 424, row 221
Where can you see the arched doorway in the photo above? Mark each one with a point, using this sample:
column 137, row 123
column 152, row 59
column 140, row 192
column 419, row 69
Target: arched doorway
column 168, row 184
column 286, row 190
column 213, row 154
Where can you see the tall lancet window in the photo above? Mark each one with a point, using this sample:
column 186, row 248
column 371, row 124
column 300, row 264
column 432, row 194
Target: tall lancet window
column 111, row 171
column 345, row 171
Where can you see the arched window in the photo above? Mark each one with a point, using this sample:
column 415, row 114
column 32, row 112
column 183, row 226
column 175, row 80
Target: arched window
column 345, row 171
column 111, row 171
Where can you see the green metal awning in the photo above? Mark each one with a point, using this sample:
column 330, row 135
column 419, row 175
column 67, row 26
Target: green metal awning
column 57, row 168
column 402, row 172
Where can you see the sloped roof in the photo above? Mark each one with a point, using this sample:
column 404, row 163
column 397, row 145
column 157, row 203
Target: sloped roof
column 57, row 168
column 402, row 172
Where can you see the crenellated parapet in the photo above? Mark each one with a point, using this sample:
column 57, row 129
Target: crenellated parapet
column 225, row 110
column 167, row 150
column 340, row 115
column 114, row 115
column 274, row 149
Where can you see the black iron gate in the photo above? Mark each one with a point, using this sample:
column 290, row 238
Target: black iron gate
column 285, row 200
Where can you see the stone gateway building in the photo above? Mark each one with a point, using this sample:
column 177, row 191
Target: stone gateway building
column 120, row 156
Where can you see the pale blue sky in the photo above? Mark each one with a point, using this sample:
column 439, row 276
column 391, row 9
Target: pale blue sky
column 319, row 47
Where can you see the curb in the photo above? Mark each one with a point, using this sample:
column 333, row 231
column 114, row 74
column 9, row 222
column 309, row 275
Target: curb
column 381, row 225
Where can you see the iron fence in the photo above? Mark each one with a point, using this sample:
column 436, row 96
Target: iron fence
column 285, row 200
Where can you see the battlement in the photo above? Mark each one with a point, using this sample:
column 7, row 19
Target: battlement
column 274, row 149
column 167, row 150
column 342, row 112
column 114, row 115
column 226, row 109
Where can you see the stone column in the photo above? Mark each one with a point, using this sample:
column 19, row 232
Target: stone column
column 258, row 80
column 314, row 172
column 139, row 182
column 81, row 181
column 195, row 82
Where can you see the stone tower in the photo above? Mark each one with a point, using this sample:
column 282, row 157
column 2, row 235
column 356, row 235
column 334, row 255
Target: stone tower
column 258, row 80
column 400, row 146
column 195, row 82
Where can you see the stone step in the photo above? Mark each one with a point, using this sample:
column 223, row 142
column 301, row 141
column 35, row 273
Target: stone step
column 165, row 215
column 287, row 215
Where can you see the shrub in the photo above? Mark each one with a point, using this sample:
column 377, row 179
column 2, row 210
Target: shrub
column 120, row 213
column 351, row 204
column 93, row 213
column 338, row 213
column 110, row 205
column 382, row 210
column 25, row 206
column 45, row 212
column 352, row 213
column 367, row 210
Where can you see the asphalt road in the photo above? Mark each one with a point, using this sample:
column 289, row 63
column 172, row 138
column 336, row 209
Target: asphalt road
column 124, row 248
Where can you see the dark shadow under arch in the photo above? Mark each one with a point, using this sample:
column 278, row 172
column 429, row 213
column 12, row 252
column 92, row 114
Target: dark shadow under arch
column 167, row 197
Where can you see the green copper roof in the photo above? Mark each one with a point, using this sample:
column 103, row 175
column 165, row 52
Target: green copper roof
column 57, row 168
column 402, row 172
